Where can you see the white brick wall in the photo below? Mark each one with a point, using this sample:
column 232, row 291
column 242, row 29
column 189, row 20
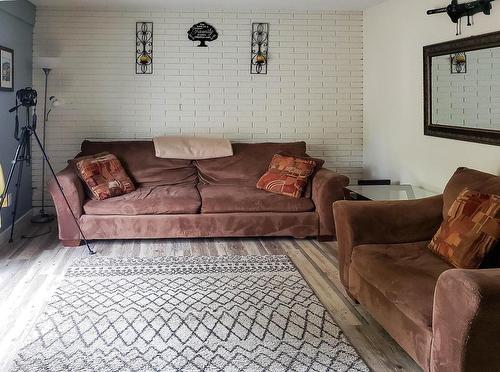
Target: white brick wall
column 312, row 92
column 471, row 99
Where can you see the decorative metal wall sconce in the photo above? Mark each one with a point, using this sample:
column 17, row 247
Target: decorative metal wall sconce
column 144, row 48
column 458, row 63
column 259, row 48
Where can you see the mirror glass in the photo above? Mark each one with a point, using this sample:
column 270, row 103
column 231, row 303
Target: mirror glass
column 466, row 89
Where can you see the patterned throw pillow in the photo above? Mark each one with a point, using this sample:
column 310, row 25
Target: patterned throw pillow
column 287, row 175
column 470, row 231
column 104, row 175
column 319, row 164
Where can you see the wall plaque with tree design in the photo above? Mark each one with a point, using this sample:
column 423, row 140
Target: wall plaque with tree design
column 202, row 32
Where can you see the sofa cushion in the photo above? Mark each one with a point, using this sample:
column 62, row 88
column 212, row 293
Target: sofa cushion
column 406, row 274
column 472, row 179
column 229, row 199
column 415, row 339
column 174, row 199
column 470, row 231
column 139, row 160
column 249, row 162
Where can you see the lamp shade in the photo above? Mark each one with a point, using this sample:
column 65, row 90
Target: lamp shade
column 55, row 102
column 47, row 62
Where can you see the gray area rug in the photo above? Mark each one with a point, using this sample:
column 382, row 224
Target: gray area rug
column 237, row 313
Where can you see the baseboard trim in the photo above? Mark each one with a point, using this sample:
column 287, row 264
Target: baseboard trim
column 21, row 225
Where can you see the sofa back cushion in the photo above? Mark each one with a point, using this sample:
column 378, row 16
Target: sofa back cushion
column 473, row 180
column 139, row 160
column 249, row 162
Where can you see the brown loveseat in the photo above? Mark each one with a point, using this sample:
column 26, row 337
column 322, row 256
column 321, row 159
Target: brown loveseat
column 205, row 198
column 447, row 319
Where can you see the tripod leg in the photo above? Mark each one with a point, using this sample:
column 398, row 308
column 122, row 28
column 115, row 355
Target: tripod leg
column 46, row 158
column 11, row 173
column 18, row 187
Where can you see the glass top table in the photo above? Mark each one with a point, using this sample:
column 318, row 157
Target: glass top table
column 388, row 192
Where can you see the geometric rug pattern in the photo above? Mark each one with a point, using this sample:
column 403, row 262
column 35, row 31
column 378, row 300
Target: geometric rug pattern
column 229, row 313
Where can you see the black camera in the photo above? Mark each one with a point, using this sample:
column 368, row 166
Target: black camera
column 27, row 97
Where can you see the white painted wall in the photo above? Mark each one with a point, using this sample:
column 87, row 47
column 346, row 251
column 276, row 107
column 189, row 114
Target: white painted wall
column 394, row 145
column 312, row 92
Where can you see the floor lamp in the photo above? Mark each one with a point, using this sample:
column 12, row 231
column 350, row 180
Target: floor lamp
column 47, row 64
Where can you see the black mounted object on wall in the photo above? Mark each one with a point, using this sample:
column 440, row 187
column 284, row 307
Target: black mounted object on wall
column 144, row 48
column 456, row 11
column 259, row 48
column 202, row 32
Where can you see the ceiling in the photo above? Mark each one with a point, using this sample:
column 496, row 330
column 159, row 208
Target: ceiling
column 212, row 4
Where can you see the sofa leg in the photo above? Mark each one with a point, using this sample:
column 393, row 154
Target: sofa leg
column 326, row 238
column 71, row 243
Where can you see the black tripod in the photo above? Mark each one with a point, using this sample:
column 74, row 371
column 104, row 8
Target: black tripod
column 23, row 155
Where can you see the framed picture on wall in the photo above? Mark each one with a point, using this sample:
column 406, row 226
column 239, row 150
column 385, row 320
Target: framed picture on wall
column 6, row 69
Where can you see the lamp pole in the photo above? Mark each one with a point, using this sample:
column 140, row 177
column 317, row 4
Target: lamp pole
column 44, row 217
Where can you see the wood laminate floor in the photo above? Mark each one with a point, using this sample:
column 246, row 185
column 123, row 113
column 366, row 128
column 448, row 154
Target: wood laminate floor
column 30, row 270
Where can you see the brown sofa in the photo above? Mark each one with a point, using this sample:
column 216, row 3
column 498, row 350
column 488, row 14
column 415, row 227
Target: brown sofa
column 205, row 198
column 447, row 319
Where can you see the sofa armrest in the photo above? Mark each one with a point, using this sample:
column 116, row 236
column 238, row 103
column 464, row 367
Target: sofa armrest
column 327, row 187
column 74, row 192
column 379, row 222
column 466, row 321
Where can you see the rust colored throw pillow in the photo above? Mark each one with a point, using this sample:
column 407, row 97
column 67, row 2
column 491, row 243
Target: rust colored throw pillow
column 287, row 175
column 319, row 164
column 470, row 231
column 104, row 175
